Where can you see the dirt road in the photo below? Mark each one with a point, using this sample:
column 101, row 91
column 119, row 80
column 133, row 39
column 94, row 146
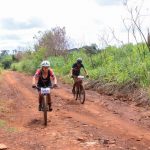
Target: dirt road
column 102, row 123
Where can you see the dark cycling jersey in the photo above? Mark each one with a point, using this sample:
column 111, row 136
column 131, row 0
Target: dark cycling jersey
column 76, row 69
column 44, row 82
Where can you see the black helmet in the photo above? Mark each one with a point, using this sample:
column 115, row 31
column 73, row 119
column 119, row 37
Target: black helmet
column 79, row 60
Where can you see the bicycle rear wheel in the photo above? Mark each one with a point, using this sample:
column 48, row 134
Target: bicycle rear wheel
column 82, row 95
column 45, row 110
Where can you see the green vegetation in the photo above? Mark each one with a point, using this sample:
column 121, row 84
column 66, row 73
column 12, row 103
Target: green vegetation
column 0, row 70
column 129, row 63
column 117, row 65
column 3, row 124
column 5, row 60
column 12, row 129
column 30, row 62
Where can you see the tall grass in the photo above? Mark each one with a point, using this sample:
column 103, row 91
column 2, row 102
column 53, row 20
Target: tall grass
column 119, row 65
column 1, row 68
column 30, row 62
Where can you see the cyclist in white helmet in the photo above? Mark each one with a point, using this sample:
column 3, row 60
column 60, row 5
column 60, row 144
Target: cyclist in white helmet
column 42, row 78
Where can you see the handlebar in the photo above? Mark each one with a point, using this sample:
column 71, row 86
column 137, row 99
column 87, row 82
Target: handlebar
column 72, row 76
column 38, row 88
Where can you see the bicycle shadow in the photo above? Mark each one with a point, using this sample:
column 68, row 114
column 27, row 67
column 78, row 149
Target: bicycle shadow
column 36, row 123
column 73, row 102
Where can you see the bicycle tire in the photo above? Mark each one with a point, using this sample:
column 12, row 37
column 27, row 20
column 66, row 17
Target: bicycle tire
column 82, row 95
column 76, row 93
column 45, row 110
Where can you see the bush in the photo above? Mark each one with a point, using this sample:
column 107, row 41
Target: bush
column 118, row 65
column 6, row 61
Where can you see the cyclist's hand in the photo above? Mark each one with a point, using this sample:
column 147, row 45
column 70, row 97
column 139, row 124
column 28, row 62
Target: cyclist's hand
column 71, row 76
column 87, row 76
column 33, row 86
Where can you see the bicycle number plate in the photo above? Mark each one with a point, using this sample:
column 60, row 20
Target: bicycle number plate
column 45, row 90
column 81, row 77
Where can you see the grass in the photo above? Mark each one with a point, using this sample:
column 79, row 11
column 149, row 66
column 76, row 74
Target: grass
column 118, row 65
column 12, row 129
column 2, row 123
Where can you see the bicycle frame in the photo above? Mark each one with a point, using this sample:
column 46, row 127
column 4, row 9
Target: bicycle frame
column 45, row 92
column 79, row 89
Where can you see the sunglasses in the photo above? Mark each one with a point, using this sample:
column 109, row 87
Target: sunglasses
column 45, row 67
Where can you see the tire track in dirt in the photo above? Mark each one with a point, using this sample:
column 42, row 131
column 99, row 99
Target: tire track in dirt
column 23, row 98
column 106, row 121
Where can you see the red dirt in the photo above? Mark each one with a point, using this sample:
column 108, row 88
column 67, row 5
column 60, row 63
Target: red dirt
column 102, row 123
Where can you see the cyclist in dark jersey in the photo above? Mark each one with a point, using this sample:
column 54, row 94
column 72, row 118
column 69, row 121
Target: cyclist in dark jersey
column 42, row 78
column 75, row 71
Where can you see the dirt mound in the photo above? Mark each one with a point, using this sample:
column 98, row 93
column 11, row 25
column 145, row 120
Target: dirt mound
column 111, row 88
column 127, row 92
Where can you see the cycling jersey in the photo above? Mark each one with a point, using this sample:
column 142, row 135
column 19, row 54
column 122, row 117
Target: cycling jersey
column 76, row 69
column 44, row 82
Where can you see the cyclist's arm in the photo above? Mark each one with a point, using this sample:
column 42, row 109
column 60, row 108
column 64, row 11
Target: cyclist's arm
column 84, row 70
column 34, row 80
column 53, row 77
column 35, row 77
column 71, row 71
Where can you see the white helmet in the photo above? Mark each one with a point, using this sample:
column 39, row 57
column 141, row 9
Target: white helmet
column 45, row 63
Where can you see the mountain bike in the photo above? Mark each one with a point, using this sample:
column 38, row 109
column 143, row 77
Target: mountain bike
column 79, row 92
column 44, row 106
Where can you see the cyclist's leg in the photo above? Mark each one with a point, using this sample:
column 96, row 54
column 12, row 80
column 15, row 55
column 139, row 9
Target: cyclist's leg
column 40, row 100
column 74, row 84
column 81, row 85
column 49, row 102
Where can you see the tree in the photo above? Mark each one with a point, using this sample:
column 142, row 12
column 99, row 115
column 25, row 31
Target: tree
column 135, row 20
column 90, row 50
column 4, row 53
column 54, row 41
column 148, row 39
column 6, row 61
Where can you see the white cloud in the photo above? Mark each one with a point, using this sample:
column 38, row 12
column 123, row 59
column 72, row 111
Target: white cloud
column 109, row 2
column 84, row 20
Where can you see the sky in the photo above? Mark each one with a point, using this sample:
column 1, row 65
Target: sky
column 86, row 21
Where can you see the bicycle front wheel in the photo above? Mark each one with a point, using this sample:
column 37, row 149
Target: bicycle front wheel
column 82, row 95
column 45, row 110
